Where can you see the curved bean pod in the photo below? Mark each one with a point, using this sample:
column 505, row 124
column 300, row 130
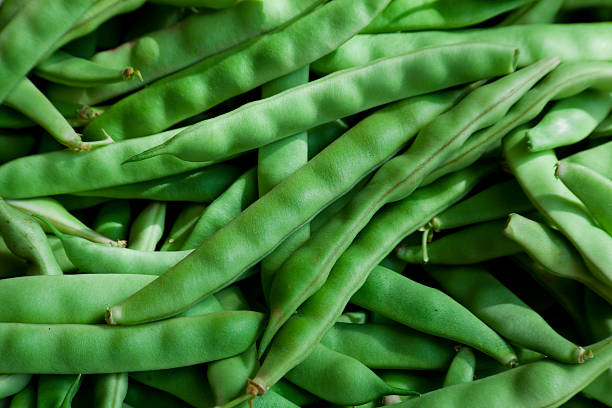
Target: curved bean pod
column 333, row 97
column 306, row 270
column 542, row 384
column 182, row 227
column 569, row 42
column 604, row 129
column 57, row 391
column 227, row 377
column 25, row 398
column 141, row 396
column 503, row 311
column 209, row 83
column 14, row 145
column 537, row 12
column 13, row 383
column 113, row 220
column 595, row 158
column 110, row 390
column 12, row 119
column 72, row 348
column 461, row 369
column 570, row 120
column 593, row 189
column 148, row 227
column 187, row 383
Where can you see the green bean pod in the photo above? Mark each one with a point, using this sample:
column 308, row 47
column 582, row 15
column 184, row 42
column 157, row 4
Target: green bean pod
column 12, row 265
column 113, row 220
column 390, row 347
column 461, row 369
column 293, row 393
column 208, row 83
column 110, row 390
column 202, row 185
column 148, row 227
column 321, row 136
column 553, row 251
column 182, row 341
column 333, row 97
column 11, row 384
column 502, row 310
column 63, row 68
column 318, row 314
column 558, row 204
column 404, row 15
column 182, row 227
column 57, row 391
column 141, row 396
column 228, row 377
column 569, row 42
column 39, row 24
column 57, row 216
column 599, row 389
column 540, row 384
column 473, row 244
column 493, row 203
column 14, row 145
column 593, row 189
column 25, row 238
column 537, row 12
column 604, row 129
column 9, row 9
column 595, row 158
column 12, row 119
column 570, row 120
column 187, row 383
column 25, row 398
column 171, row 49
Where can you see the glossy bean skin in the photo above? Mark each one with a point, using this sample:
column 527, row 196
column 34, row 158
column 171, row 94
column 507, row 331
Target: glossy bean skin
column 210, row 82
column 182, row 341
column 187, row 383
column 182, row 227
column 318, row 314
column 13, row 383
column 202, row 185
column 25, row 238
column 495, row 202
column 595, row 158
column 369, row 148
column 39, row 24
column 462, row 368
column 571, row 42
column 110, row 390
column 593, row 189
column 307, row 269
column 333, row 97
column 61, row 172
column 405, row 15
column 553, row 251
column 25, row 398
column 604, row 129
column 57, row 391
column 540, row 384
column 570, row 120
column 502, row 310
column 227, row 377
column 389, row 347
column 170, row 49
column 148, row 227
column 113, row 220
column 473, row 244
column 558, row 204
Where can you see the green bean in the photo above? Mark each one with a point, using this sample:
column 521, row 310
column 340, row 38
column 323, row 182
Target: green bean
column 148, row 227
column 403, row 15
column 61, row 172
column 570, row 120
column 202, row 185
column 421, row 381
column 339, row 379
column 333, row 97
column 321, row 136
column 14, row 145
column 300, row 334
column 598, row 316
column 63, row 68
column 187, row 383
column 307, row 268
column 502, row 310
column 113, row 220
column 593, row 189
column 537, row 12
column 493, row 203
column 60, row 218
column 293, row 393
column 141, row 396
column 25, row 238
column 35, row 28
column 25, row 398
column 461, row 369
column 208, row 83
column 470, row 245
column 196, row 37
column 13, row 383
column 552, row 250
column 275, row 162
column 182, row 227
column 12, row 119
column 540, row 384
column 353, row 317
column 215, row 4
column 558, row 204
column 110, row 390
column 369, row 145
column 604, row 129
column 92, row 349
column 392, row 347
column 599, row 389
column 27, row 99
column 227, row 377
column 57, row 391
column 232, row 298
column 8, row 10
column 569, row 42
column 595, row 158
column 12, row 265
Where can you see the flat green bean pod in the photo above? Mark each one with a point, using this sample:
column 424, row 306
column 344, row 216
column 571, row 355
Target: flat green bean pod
column 182, row 227
column 461, row 369
column 333, row 97
column 25, row 398
column 209, row 83
column 595, row 158
column 57, row 391
column 13, row 383
column 569, row 42
column 196, row 37
column 92, row 349
column 540, row 384
column 110, row 390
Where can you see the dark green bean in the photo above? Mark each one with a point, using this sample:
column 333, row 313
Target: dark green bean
column 141, row 396
column 148, row 227
column 462, row 368
column 25, row 398
column 13, row 383
column 110, row 390
column 182, row 227
column 57, row 391
column 13, row 145
column 537, row 12
column 113, row 220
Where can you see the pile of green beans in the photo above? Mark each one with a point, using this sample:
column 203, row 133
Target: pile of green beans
column 305, row 203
